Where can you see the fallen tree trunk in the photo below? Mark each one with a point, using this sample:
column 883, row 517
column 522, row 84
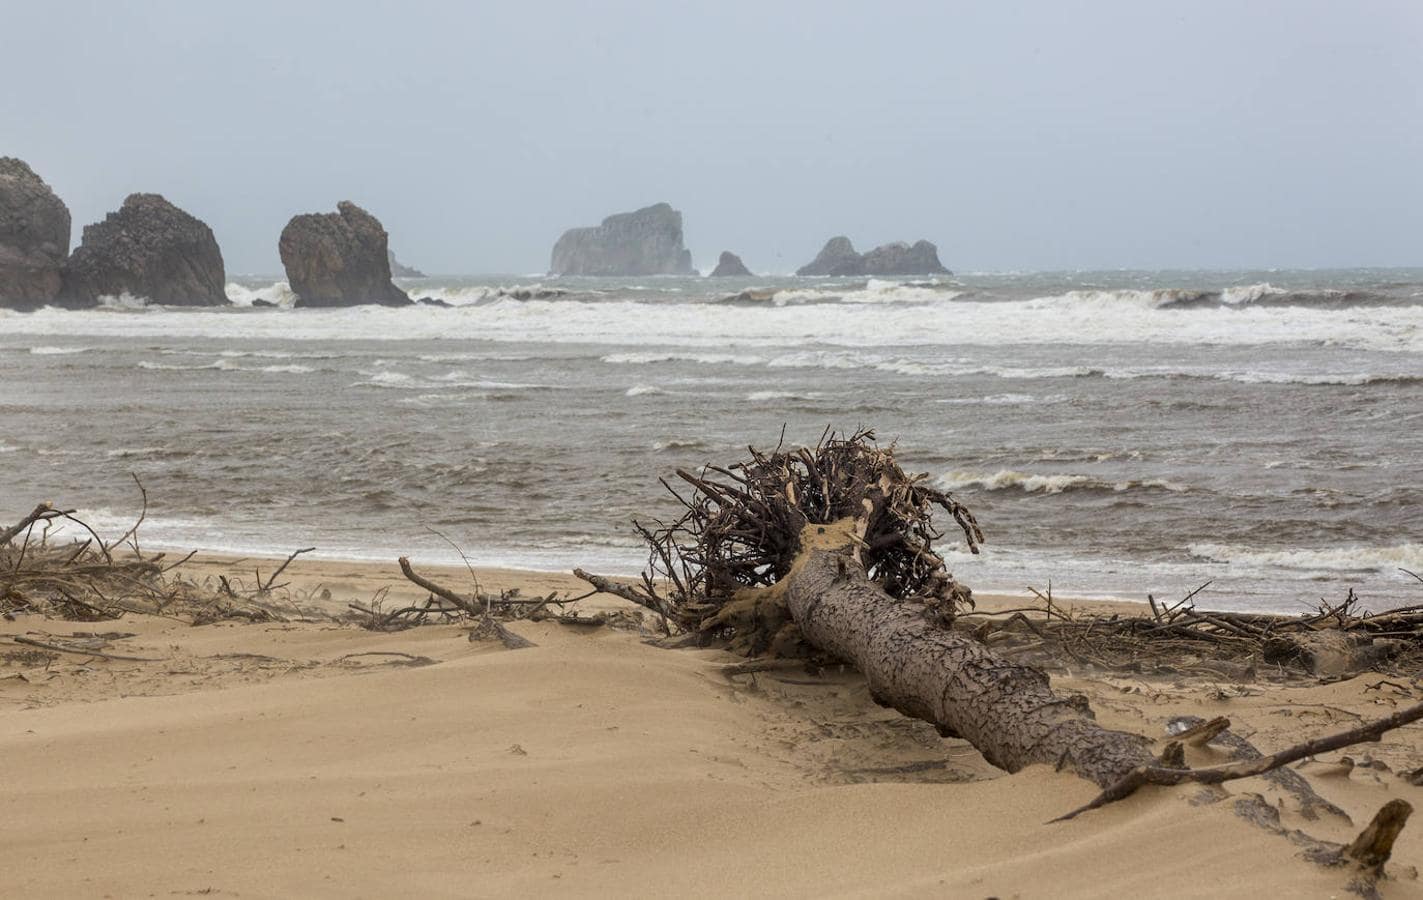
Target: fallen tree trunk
column 830, row 550
column 1008, row 712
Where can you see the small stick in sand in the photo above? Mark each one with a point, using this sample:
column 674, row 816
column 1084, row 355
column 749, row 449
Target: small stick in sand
column 21, row 639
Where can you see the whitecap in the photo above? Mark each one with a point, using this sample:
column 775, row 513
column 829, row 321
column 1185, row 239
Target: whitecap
column 278, row 293
column 764, row 396
column 1331, row 559
column 1031, row 483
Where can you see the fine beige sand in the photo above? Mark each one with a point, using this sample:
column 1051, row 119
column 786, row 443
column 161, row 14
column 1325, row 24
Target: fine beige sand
column 296, row 760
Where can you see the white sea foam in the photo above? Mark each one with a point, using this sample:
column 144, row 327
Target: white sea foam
column 644, row 390
column 1003, row 400
column 1332, row 559
column 818, row 359
column 391, row 378
column 875, row 292
column 474, row 357
column 1030, row 483
column 675, row 444
column 1239, row 296
column 124, row 301
column 279, row 293
column 764, row 396
column 711, row 359
column 710, row 328
column 57, row 351
column 227, row 365
column 288, row 369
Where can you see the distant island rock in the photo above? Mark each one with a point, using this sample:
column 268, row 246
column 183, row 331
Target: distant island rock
column 399, row 270
column 34, row 236
column 729, row 266
column 838, row 257
column 148, row 248
column 339, row 259
column 645, row 242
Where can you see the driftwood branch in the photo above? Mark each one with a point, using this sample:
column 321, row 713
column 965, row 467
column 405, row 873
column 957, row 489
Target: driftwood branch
column 79, row 651
column 267, row 586
column 644, row 598
column 469, row 605
column 1152, row 774
column 43, row 512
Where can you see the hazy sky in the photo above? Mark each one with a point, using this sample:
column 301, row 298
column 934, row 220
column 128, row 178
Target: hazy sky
column 1014, row 135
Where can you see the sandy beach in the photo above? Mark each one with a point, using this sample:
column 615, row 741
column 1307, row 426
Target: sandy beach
column 316, row 759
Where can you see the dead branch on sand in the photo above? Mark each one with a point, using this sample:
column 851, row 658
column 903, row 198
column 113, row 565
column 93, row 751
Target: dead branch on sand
column 1334, row 641
column 89, row 579
column 488, row 612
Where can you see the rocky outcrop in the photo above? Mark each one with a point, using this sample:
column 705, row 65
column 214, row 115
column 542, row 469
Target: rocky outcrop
column 645, row 242
column 838, row 257
column 150, row 249
column 729, row 266
column 899, row 258
column 398, row 269
column 339, row 259
column 34, row 237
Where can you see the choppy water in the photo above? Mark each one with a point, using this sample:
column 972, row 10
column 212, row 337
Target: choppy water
column 1118, row 433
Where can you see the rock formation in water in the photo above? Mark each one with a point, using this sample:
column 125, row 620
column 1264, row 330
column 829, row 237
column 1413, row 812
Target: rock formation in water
column 399, row 269
column 34, row 236
column 151, row 249
column 339, row 259
column 645, row 242
column 730, row 265
column 899, row 258
column 838, row 257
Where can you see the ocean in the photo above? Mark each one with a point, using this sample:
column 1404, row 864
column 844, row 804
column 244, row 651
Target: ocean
column 1117, row 433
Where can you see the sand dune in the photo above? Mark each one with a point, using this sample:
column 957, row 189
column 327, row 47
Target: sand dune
column 267, row 760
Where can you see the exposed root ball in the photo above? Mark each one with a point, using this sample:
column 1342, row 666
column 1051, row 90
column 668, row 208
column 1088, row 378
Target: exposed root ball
column 741, row 528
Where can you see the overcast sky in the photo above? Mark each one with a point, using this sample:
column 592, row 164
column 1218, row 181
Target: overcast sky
column 1016, row 136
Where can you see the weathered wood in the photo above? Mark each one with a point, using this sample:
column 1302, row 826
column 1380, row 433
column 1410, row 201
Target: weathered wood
column 40, row 513
column 1251, row 766
column 1372, row 848
column 1007, row 711
column 469, row 605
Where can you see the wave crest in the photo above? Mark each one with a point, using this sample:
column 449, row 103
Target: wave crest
column 1031, row 483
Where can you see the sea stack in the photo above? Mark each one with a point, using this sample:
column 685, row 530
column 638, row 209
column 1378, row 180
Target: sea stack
column 645, row 242
column 339, row 259
column 34, row 237
column 729, row 266
column 149, row 249
column 838, row 257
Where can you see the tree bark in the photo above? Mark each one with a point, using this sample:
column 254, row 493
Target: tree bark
column 1008, row 712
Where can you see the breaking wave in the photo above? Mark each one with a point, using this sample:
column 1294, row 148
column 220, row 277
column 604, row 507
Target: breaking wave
column 227, row 365
column 1029, row 483
column 278, row 294
column 389, row 378
column 710, row 359
column 1258, row 294
column 1334, row 559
